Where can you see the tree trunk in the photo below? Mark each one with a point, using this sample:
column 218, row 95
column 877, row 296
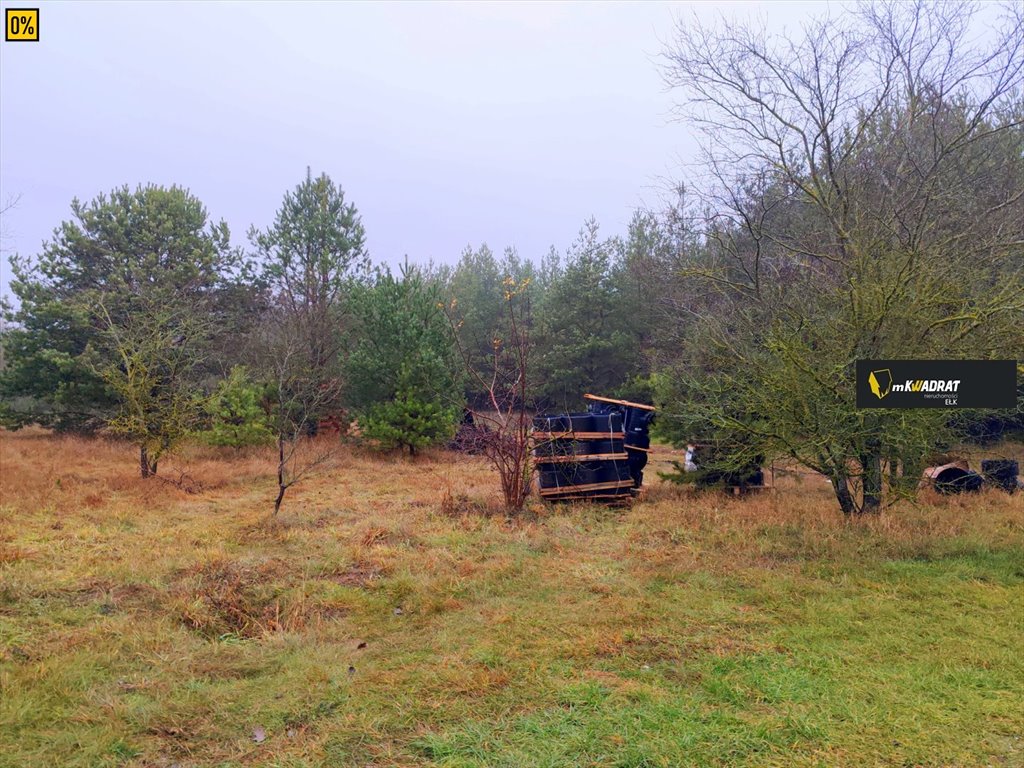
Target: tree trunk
column 281, row 487
column 871, row 468
column 846, row 501
column 911, row 469
column 146, row 467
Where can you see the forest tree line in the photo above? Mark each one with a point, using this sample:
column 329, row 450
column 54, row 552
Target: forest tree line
column 862, row 197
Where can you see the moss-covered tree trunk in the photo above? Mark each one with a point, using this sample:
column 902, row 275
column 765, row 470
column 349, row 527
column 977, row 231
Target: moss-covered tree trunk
column 847, row 502
column 872, row 475
column 147, row 467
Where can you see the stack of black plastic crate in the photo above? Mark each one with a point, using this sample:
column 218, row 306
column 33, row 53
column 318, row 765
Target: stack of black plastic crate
column 598, row 455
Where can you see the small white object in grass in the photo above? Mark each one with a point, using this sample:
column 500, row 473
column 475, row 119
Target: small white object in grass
column 259, row 734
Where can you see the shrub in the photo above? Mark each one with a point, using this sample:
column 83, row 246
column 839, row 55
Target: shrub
column 408, row 422
column 237, row 416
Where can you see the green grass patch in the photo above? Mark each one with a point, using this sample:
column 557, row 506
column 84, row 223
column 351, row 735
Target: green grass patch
column 683, row 632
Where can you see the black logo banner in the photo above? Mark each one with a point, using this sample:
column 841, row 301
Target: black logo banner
column 936, row 383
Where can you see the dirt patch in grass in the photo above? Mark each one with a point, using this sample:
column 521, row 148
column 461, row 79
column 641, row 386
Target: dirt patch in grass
column 362, row 574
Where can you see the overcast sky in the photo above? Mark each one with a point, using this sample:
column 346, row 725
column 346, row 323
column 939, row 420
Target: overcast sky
column 446, row 124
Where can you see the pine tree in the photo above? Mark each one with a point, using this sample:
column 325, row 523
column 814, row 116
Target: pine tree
column 123, row 262
column 237, row 415
column 408, row 422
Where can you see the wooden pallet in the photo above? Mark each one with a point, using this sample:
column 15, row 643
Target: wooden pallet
column 574, row 458
column 618, row 500
column 578, row 435
column 573, row 489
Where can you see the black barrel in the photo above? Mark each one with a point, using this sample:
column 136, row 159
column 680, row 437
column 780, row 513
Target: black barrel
column 636, row 423
column 956, row 480
column 1002, row 473
column 556, row 475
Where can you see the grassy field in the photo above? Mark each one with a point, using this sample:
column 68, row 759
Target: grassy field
column 387, row 618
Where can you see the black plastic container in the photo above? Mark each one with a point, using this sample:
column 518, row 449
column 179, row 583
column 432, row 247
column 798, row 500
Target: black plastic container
column 613, row 471
column 587, row 423
column 607, row 422
column 598, row 438
column 636, row 422
column 581, row 422
column 1001, row 473
column 545, row 448
column 558, row 423
column 567, row 474
column 956, row 480
column 602, row 447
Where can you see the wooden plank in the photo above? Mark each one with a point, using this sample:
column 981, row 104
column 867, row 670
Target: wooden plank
column 578, row 435
column 564, row 489
column 605, row 493
column 576, row 458
column 638, row 448
column 585, row 497
column 587, row 487
column 602, row 498
column 642, row 406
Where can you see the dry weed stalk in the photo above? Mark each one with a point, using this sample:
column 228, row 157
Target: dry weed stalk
column 502, row 433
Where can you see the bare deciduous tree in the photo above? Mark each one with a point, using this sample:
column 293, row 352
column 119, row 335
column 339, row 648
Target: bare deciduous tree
column 299, row 396
column 864, row 197
column 502, row 430
column 9, row 204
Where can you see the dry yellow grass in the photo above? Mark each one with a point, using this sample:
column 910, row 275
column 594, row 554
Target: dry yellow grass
column 392, row 616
